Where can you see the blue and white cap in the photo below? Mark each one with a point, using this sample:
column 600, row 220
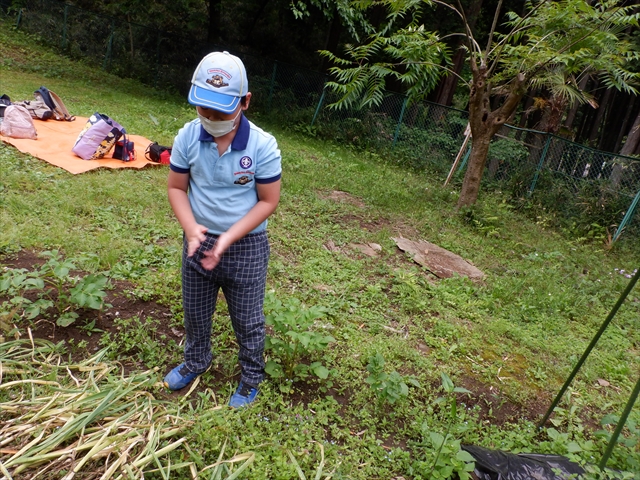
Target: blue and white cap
column 219, row 82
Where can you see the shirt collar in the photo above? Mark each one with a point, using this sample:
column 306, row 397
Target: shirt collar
column 241, row 139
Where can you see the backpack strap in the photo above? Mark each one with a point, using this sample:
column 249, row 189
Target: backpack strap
column 43, row 94
column 55, row 103
column 60, row 107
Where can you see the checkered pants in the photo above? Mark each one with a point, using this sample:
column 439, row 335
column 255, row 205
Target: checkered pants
column 242, row 274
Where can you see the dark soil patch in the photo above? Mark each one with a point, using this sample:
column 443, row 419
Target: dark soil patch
column 343, row 197
column 89, row 327
column 491, row 404
column 494, row 406
column 370, row 225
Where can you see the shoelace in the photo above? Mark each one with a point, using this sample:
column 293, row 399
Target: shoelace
column 245, row 390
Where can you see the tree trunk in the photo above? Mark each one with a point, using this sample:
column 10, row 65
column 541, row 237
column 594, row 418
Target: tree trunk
column 475, row 169
column 256, row 18
column 571, row 116
column 449, row 83
column 597, row 121
column 484, row 125
column 549, row 123
column 633, row 138
column 552, row 115
column 588, row 112
column 610, row 122
column 625, row 121
column 629, row 147
column 215, row 10
column 333, row 39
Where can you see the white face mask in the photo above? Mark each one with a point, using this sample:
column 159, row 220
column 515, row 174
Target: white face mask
column 218, row 128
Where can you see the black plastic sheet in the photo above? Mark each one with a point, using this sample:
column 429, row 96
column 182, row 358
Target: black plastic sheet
column 499, row 465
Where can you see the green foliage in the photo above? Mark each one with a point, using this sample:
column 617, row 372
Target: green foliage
column 14, row 283
column 55, row 286
column 628, row 441
column 362, row 130
column 360, row 81
column 420, row 147
column 508, row 153
column 388, row 387
column 443, row 456
column 450, row 389
column 548, row 49
column 294, row 340
column 551, row 44
column 586, row 210
column 136, row 338
column 559, row 41
column 444, row 459
column 514, row 335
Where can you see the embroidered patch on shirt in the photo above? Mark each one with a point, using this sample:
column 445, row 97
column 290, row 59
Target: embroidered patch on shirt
column 246, row 162
column 243, row 180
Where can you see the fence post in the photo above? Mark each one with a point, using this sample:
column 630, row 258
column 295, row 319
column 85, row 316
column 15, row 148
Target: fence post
column 586, row 353
column 395, row 136
column 623, row 419
column 19, row 18
column 467, row 136
column 542, row 158
column 64, row 27
column 315, row 115
column 107, row 57
column 465, row 159
column 157, row 75
column 627, row 216
column 272, row 84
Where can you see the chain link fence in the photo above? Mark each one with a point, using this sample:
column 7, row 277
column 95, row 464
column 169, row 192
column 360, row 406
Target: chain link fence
column 585, row 189
column 594, row 192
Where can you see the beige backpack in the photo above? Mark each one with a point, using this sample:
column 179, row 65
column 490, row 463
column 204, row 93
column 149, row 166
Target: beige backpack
column 17, row 123
column 37, row 109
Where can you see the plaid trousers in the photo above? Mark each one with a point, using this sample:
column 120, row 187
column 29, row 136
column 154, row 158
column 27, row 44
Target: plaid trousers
column 242, row 275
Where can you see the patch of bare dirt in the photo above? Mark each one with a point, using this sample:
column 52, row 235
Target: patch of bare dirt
column 89, row 327
column 438, row 261
column 344, row 197
column 496, row 408
column 492, row 405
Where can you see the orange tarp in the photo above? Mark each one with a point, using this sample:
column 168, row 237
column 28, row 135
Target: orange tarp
column 56, row 139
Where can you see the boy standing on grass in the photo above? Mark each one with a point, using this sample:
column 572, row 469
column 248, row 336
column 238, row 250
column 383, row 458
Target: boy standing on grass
column 224, row 182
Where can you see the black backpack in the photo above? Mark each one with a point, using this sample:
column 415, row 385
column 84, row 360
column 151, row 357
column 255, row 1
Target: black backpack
column 5, row 101
column 158, row 153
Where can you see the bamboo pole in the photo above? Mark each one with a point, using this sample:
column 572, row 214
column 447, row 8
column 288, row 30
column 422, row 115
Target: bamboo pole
column 467, row 136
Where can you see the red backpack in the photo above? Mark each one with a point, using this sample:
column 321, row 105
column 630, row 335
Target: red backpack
column 158, row 153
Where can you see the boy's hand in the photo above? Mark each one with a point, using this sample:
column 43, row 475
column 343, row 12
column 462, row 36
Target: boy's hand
column 212, row 257
column 195, row 237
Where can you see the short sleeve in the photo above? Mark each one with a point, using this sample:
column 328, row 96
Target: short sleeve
column 179, row 149
column 269, row 167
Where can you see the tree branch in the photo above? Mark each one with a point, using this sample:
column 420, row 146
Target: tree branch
column 493, row 29
column 515, row 94
column 501, row 44
column 460, row 12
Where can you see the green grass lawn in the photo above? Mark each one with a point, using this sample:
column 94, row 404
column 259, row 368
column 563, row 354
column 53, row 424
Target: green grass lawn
column 399, row 335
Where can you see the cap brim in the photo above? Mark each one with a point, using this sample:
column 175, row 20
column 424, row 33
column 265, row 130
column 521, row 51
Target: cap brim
column 217, row 101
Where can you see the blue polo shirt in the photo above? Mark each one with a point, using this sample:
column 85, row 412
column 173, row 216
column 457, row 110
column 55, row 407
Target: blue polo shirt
column 222, row 188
